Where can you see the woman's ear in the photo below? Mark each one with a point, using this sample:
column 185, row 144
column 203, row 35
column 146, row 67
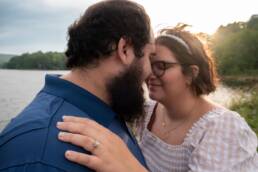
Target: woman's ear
column 193, row 73
column 124, row 51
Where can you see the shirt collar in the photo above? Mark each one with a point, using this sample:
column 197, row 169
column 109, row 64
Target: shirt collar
column 81, row 98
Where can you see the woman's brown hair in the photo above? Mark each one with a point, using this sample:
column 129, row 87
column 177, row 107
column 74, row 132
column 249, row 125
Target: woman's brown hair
column 189, row 50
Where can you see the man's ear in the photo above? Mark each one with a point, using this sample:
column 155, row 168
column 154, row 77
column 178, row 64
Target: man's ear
column 124, row 50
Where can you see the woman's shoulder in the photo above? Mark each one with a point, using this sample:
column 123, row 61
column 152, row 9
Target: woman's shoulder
column 141, row 123
column 223, row 125
column 226, row 120
column 149, row 105
column 225, row 142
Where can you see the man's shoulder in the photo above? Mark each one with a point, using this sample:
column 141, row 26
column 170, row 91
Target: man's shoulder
column 39, row 114
column 39, row 167
column 35, row 116
column 32, row 136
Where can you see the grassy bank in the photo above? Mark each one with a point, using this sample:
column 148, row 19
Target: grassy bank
column 246, row 83
column 247, row 106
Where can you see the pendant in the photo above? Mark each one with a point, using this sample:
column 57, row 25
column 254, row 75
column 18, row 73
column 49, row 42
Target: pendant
column 163, row 124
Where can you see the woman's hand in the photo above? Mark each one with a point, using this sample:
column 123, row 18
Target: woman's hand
column 109, row 152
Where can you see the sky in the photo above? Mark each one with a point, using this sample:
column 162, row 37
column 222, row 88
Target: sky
column 33, row 25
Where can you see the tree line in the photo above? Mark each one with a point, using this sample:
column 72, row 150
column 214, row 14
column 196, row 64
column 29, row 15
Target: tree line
column 37, row 60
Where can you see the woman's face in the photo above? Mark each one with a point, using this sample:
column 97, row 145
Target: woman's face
column 170, row 82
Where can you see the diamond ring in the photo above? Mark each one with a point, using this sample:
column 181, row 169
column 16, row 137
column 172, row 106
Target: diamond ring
column 95, row 144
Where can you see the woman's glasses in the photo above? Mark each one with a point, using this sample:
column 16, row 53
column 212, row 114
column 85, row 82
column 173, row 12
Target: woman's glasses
column 159, row 67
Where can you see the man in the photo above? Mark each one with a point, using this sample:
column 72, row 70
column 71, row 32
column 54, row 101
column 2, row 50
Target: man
column 108, row 54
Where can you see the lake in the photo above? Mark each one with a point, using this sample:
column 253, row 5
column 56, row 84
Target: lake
column 19, row 87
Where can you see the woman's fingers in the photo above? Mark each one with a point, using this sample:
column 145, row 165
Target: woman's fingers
column 85, row 142
column 85, row 121
column 79, row 128
column 109, row 150
column 84, row 126
column 90, row 161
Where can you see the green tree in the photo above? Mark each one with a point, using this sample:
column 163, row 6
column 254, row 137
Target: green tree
column 235, row 47
column 38, row 60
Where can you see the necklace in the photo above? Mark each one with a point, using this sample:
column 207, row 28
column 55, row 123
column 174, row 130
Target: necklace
column 164, row 124
column 167, row 132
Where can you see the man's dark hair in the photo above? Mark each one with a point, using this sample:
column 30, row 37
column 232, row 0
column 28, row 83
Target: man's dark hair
column 96, row 34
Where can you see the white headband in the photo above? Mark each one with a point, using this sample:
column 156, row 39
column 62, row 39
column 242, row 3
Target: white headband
column 179, row 40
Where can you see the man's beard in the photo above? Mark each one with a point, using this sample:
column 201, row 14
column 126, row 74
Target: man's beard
column 127, row 95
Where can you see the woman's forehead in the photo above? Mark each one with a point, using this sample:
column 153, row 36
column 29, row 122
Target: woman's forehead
column 163, row 53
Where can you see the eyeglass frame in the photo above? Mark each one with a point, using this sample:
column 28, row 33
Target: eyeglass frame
column 166, row 65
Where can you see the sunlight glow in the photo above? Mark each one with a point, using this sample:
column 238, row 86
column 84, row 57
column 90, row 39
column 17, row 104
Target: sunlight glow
column 204, row 16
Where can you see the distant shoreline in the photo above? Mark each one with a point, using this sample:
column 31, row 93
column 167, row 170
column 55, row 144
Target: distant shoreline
column 35, row 69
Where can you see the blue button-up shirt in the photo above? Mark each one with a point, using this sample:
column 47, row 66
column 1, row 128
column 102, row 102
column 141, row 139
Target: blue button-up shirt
column 29, row 142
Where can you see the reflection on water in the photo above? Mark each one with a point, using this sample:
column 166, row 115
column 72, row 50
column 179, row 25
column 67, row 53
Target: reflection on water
column 224, row 95
column 19, row 87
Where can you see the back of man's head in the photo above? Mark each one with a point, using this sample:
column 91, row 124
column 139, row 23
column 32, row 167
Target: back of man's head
column 97, row 33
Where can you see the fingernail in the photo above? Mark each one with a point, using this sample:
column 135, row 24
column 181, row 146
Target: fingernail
column 64, row 117
column 58, row 124
column 61, row 135
column 68, row 154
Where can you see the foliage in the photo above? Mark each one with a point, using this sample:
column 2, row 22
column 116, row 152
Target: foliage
column 38, row 60
column 248, row 108
column 235, row 47
column 4, row 58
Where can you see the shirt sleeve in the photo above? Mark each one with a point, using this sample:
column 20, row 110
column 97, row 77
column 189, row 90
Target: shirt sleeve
column 35, row 167
column 228, row 145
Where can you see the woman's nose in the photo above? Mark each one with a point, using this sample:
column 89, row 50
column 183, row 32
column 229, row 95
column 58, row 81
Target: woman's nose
column 151, row 77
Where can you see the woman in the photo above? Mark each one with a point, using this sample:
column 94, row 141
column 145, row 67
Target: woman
column 182, row 130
